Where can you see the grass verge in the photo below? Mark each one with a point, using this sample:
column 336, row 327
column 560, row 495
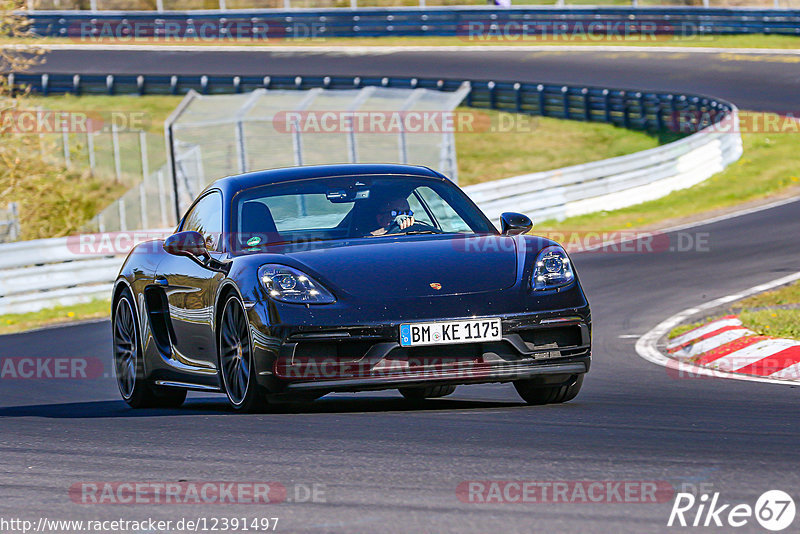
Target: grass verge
column 774, row 313
column 19, row 322
column 770, row 165
column 514, row 144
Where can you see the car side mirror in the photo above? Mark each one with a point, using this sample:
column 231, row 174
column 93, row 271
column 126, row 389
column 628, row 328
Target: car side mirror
column 515, row 223
column 189, row 243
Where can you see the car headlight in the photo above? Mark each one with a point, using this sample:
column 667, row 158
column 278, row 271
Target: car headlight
column 290, row 285
column 552, row 269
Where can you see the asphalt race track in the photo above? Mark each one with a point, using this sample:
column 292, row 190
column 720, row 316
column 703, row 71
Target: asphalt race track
column 386, row 467
column 752, row 81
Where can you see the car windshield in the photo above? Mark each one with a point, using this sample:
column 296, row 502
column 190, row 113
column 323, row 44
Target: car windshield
column 353, row 207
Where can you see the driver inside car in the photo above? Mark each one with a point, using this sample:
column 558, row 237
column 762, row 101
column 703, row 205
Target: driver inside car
column 394, row 212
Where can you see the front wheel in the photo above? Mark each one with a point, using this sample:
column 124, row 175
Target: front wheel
column 537, row 391
column 129, row 364
column 238, row 374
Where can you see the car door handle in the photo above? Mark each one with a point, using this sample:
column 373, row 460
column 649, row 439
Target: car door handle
column 162, row 280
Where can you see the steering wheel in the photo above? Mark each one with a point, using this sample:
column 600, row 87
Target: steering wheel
column 394, row 228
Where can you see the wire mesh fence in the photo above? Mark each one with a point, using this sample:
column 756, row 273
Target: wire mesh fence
column 134, row 158
column 281, row 128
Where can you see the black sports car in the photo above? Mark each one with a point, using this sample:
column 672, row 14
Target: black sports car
column 293, row 283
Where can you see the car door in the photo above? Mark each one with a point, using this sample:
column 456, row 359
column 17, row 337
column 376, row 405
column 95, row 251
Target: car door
column 191, row 289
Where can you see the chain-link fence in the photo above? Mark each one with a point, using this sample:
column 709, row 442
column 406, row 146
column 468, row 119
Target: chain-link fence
column 130, row 157
column 220, row 135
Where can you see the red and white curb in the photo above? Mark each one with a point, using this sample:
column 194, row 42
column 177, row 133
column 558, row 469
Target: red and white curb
column 724, row 348
column 726, row 345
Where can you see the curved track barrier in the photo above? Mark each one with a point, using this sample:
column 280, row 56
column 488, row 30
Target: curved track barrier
column 39, row 274
column 471, row 23
column 49, row 272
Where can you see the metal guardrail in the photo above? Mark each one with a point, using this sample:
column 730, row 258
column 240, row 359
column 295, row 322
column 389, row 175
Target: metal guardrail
column 49, row 272
column 9, row 223
column 641, row 110
column 617, row 182
column 44, row 273
column 607, row 184
column 473, row 23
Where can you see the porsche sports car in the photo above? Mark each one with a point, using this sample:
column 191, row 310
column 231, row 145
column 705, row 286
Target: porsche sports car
column 289, row 284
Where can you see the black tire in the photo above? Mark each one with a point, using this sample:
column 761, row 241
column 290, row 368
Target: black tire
column 536, row 391
column 236, row 368
column 426, row 392
column 129, row 363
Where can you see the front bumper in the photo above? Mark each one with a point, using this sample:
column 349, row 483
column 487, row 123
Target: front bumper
column 358, row 358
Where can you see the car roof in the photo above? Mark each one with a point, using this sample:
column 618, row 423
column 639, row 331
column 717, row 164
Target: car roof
column 232, row 184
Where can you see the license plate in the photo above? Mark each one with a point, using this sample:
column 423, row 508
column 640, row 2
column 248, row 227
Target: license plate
column 444, row 333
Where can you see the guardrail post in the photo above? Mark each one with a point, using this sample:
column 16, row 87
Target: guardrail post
column 76, row 84
column 222, row 6
column 30, row 5
column 607, row 105
column 565, row 95
column 492, row 101
column 587, row 109
column 160, row 6
column 45, row 84
column 287, row 4
column 626, row 118
column 540, row 90
column 93, row 5
column 353, row 4
column 517, row 97
column 110, row 84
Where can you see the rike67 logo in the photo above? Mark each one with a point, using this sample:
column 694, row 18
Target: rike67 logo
column 774, row 510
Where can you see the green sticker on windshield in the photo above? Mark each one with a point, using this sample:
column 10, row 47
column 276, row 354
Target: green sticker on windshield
column 253, row 241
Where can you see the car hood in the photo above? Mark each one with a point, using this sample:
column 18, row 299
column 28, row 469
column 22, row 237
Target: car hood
column 411, row 266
